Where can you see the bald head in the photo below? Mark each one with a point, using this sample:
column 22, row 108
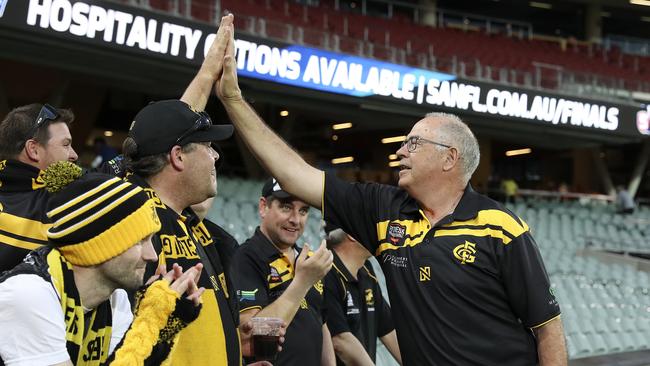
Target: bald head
column 453, row 131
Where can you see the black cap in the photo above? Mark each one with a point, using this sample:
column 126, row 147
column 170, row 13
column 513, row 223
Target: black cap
column 157, row 127
column 272, row 188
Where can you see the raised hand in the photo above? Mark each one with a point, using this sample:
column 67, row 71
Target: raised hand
column 227, row 85
column 213, row 62
column 310, row 269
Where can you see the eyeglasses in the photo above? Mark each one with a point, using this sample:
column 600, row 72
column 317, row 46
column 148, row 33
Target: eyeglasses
column 47, row 113
column 203, row 123
column 413, row 142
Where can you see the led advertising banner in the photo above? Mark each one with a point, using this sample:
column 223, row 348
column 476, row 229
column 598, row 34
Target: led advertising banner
column 133, row 30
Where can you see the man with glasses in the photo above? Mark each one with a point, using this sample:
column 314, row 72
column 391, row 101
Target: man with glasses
column 172, row 153
column 464, row 274
column 31, row 138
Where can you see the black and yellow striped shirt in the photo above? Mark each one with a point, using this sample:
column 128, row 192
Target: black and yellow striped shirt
column 213, row 338
column 23, row 222
column 464, row 291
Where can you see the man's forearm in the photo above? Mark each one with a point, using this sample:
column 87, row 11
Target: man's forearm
column 286, row 306
column 198, row 92
column 551, row 347
column 327, row 354
column 276, row 156
column 390, row 341
column 348, row 348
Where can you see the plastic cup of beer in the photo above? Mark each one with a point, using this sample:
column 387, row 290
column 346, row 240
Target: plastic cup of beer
column 266, row 334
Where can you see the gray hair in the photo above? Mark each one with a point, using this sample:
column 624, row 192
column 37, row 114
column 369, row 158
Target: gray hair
column 335, row 237
column 455, row 132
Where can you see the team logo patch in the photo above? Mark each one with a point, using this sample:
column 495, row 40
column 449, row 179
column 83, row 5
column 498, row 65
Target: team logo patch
column 425, row 273
column 246, row 295
column 396, row 232
column 274, row 277
column 350, row 301
column 370, row 297
column 465, row 252
column 319, row 286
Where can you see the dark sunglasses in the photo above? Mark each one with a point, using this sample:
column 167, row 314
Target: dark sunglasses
column 47, row 113
column 202, row 123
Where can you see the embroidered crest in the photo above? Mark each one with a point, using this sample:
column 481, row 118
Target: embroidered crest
column 465, row 253
column 396, row 232
column 370, row 298
column 274, row 276
column 319, row 286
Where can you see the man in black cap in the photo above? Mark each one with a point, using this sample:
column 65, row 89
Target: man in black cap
column 357, row 313
column 172, row 153
column 276, row 278
column 36, row 135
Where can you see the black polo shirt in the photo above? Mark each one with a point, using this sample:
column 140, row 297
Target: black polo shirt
column 261, row 274
column 356, row 306
column 467, row 290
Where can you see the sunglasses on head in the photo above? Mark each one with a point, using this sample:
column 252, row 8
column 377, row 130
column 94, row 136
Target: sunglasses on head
column 202, row 123
column 47, row 114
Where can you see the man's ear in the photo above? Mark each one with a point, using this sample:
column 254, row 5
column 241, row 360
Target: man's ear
column 176, row 158
column 452, row 158
column 33, row 150
column 261, row 207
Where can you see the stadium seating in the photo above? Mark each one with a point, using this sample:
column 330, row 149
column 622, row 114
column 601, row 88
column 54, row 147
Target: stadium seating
column 467, row 50
column 605, row 306
column 385, row 38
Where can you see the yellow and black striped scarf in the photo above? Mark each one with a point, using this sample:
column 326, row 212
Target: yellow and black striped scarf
column 86, row 346
column 19, row 177
column 87, row 340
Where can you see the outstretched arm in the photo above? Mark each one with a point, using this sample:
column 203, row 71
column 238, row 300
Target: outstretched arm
column 197, row 93
column 551, row 347
column 278, row 158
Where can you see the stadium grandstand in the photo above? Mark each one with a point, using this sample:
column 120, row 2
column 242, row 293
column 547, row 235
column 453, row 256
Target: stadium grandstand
column 557, row 92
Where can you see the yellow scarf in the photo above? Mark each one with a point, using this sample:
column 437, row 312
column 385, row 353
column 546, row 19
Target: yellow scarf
column 89, row 345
